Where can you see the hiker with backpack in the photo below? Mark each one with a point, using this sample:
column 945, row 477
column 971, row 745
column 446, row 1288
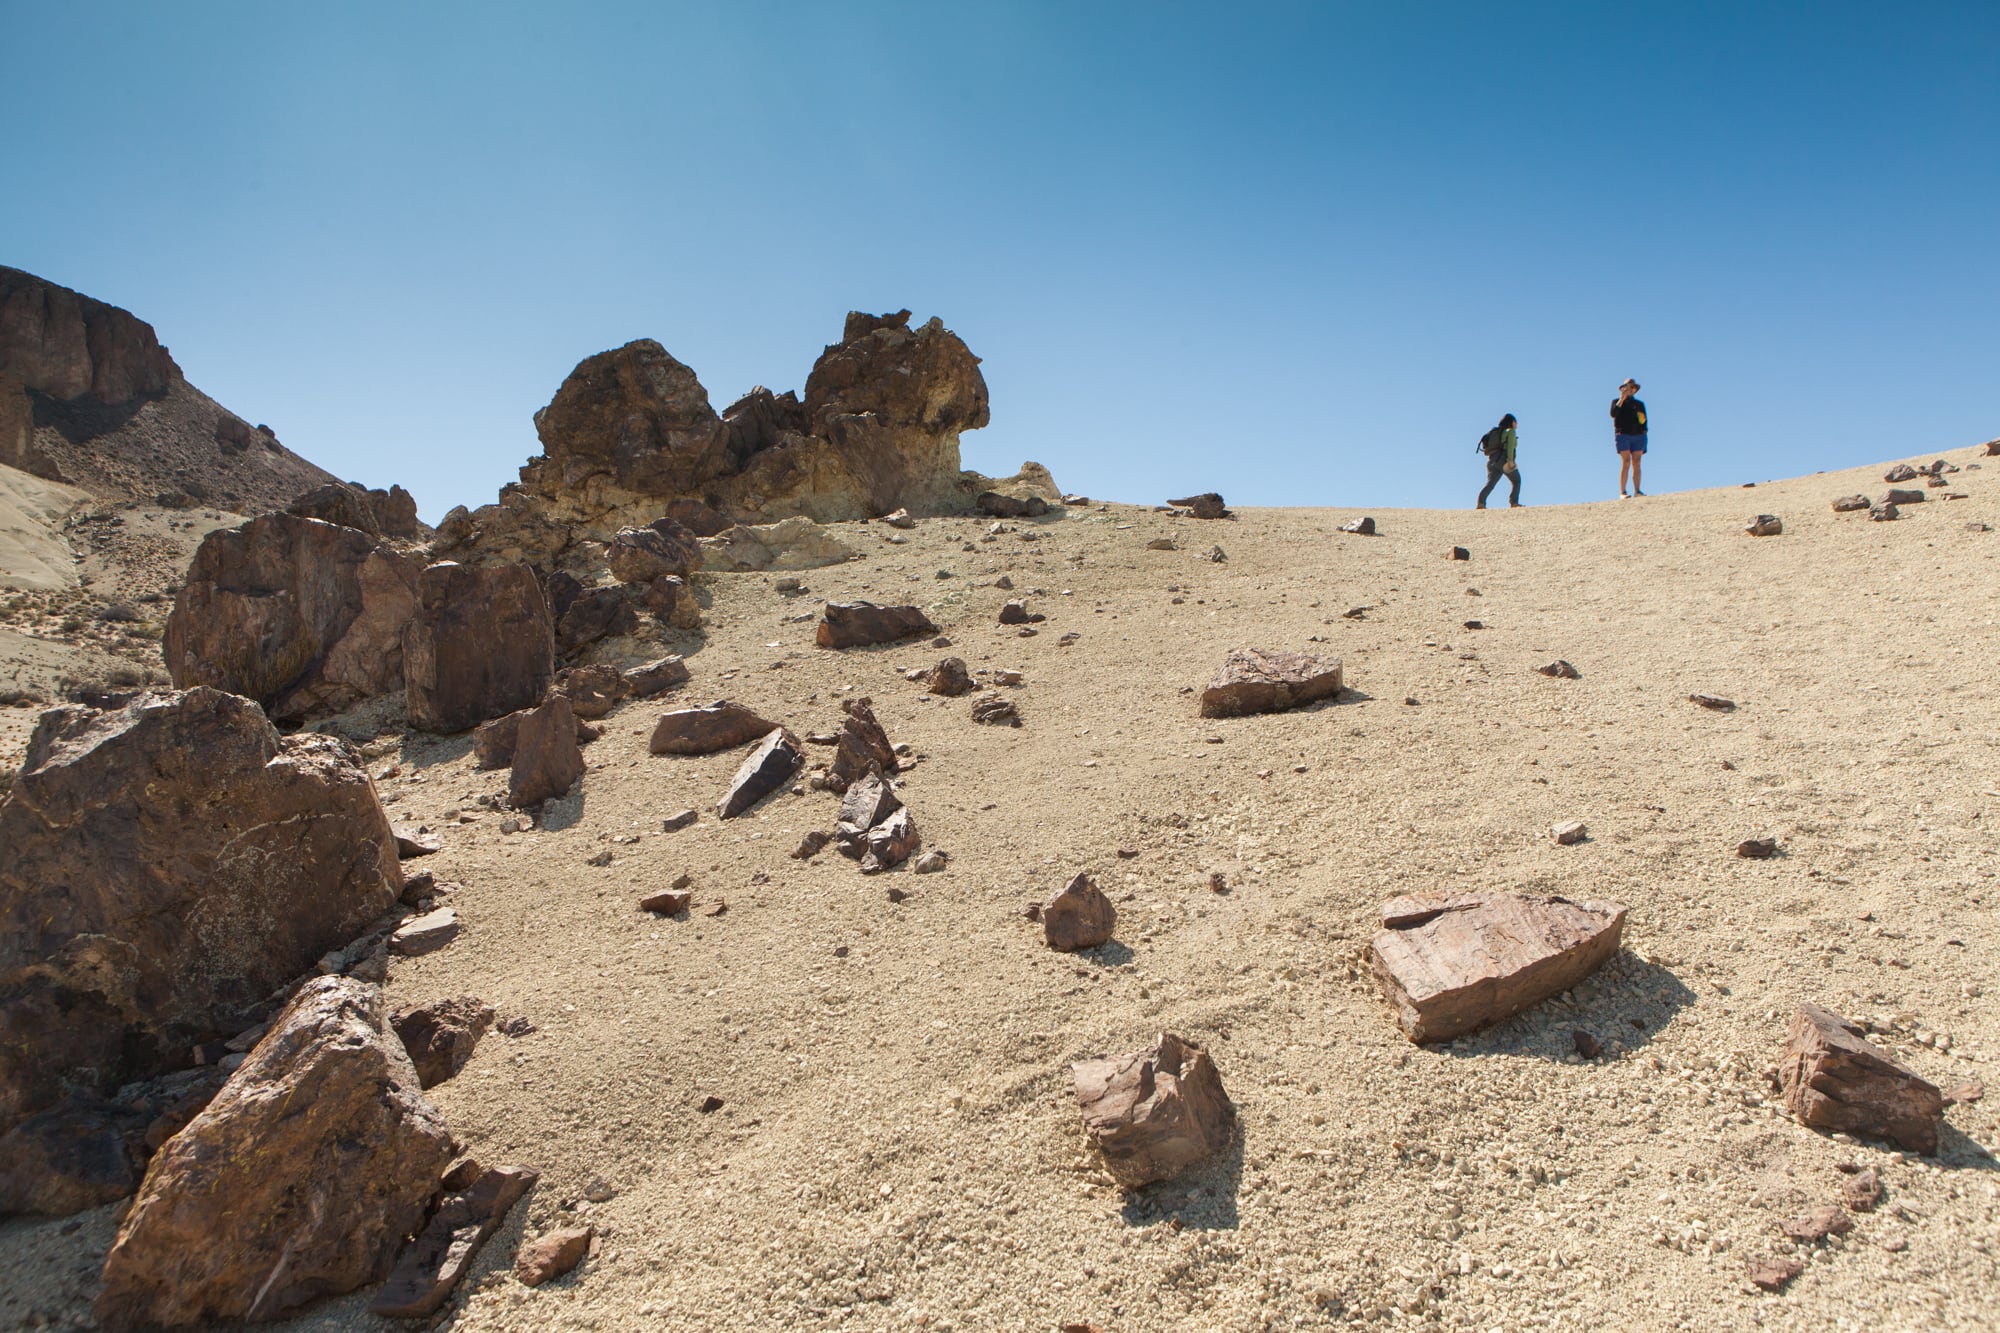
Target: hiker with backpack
column 1628, row 427
column 1498, row 445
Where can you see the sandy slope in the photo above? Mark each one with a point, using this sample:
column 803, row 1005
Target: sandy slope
column 33, row 554
column 898, row 1147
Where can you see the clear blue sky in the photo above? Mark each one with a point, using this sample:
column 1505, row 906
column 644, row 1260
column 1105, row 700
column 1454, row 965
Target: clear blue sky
column 1301, row 254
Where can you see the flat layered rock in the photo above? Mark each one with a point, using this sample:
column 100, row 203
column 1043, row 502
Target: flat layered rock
column 708, row 729
column 1847, row 504
column 859, row 624
column 654, row 677
column 1479, row 959
column 1254, row 680
column 432, row 1265
column 1078, row 916
column 769, row 767
column 1903, row 497
column 1206, row 505
column 425, row 934
column 1836, row 1080
column 1155, row 1113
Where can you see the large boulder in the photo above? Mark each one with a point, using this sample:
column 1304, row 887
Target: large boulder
column 546, row 760
column 163, row 869
column 306, row 617
column 300, row 1180
column 640, row 555
column 708, row 729
column 481, row 645
column 863, row 624
column 635, row 417
column 1256, row 680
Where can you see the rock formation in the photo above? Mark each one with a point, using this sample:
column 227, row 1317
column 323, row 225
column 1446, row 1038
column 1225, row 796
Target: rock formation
column 546, row 760
column 433, row 1264
column 440, row 1037
column 299, row 1180
column 304, row 617
column 164, row 868
column 481, row 645
column 380, row 513
column 769, row 767
column 1078, row 916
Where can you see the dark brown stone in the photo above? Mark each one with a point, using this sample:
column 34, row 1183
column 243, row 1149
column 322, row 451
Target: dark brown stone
column 708, row 729
column 662, row 547
column 68, row 1158
column 1757, row 849
column 668, row 902
column 411, row 843
column 1764, row 525
column 811, row 845
column 891, row 842
column 548, row 1257
column 1078, row 916
column 1847, row 504
column 1862, row 1192
column 547, row 762
column 999, row 504
column 597, row 613
column 481, row 646
column 432, row 1265
column 1772, row 1274
column 657, row 676
column 861, row 746
column 869, row 800
column 1253, row 680
column 1900, row 472
column 1713, row 702
column 1016, row 613
column 299, row 1180
column 592, row 691
column 1449, row 965
column 1155, row 1113
column 164, row 868
column 1206, row 505
column 949, row 678
column 1362, row 526
column 673, row 602
column 860, row 624
column 441, row 1036
column 1561, row 670
column 769, row 767
column 302, row 616
column 1885, row 513
column 1587, row 1045
column 1902, row 497
column 1835, row 1080
column 1457, row 553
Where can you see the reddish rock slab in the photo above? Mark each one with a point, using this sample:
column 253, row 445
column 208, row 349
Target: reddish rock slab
column 481, row 645
column 425, row 934
column 1155, row 1113
column 668, row 902
column 548, row 1257
column 769, row 767
column 1078, row 916
column 432, row 1265
column 1480, row 959
column 1836, row 1080
column 440, row 1037
column 547, row 762
column 164, row 867
column 859, row 624
column 861, row 747
column 708, row 729
column 299, row 1180
column 1772, row 1274
column 411, row 843
column 1253, row 680
column 657, row 676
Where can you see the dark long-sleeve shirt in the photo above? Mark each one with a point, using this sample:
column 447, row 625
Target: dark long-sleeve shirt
column 1628, row 417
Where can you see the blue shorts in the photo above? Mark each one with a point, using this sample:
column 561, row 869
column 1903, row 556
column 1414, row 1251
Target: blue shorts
column 1630, row 444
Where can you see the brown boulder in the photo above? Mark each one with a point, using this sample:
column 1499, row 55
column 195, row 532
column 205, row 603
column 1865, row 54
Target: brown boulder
column 1836, row 1080
column 440, row 1036
column 634, row 417
column 949, row 678
column 859, row 624
column 1016, row 612
column 380, row 513
column 993, row 711
column 547, row 1258
column 299, row 1180
column 1902, row 497
column 1900, row 472
column 547, row 761
column 769, row 767
column 868, row 801
column 708, row 729
column 304, row 617
column 163, row 869
column 1253, row 680
column 657, row 676
column 1849, row 503
column 673, row 603
column 68, row 1158
column 1155, row 1113
column 1206, row 505
column 1885, row 513
column 64, row 344
column 592, row 691
column 432, row 1265
column 862, row 745
column 595, row 613
column 482, row 645
column 1078, row 916
column 1765, row 525
column 662, row 547
column 1452, row 964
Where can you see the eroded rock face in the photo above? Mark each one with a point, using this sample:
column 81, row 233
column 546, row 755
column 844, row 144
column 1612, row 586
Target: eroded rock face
column 440, row 1037
column 433, row 1264
column 299, row 1180
column 380, row 513
column 1452, row 964
column 640, row 555
column 633, row 416
column 481, row 645
column 1155, row 1113
column 163, row 868
column 1254, row 680
column 793, row 543
column 65, row 344
column 1835, row 1079
column 303, row 616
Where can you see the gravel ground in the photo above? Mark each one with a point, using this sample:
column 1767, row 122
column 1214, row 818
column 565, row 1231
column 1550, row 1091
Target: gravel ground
column 897, row 1146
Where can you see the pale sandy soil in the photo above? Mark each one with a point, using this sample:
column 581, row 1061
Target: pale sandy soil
column 898, row 1147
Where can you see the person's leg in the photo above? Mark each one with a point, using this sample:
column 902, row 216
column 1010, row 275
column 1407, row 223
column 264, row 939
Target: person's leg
column 1492, row 480
column 1624, row 470
column 1514, row 497
column 1637, row 456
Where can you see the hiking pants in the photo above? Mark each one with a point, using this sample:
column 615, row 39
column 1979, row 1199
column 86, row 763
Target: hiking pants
column 1495, row 469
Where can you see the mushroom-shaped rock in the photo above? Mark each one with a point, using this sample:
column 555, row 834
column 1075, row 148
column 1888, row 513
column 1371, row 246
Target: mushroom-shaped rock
column 721, row 725
column 440, row 1036
column 432, row 1265
column 1452, row 964
column 1835, row 1079
column 858, row 624
column 299, row 1180
column 1078, row 916
column 1253, row 680
column 769, row 767
column 547, row 761
column 1155, row 1113
column 482, row 644
column 163, row 867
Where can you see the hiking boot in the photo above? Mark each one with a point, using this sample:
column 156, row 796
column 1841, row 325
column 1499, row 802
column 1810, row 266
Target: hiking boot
column 1480, row 505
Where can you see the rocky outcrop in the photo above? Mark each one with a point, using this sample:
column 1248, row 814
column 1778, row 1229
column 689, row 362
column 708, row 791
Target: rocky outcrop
column 481, row 645
column 662, row 547
column 65, row 345
column 305, row 617
column 163, row 869
column 380, row 513
column 794, row 543
column 299, row 1180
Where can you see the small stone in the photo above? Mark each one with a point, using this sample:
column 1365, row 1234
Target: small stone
column 1885, row 513
column 1817, row 1224
column 993, row 711
column 1862, row 1191
column 1078, row 916
column 1569, row 832
column 1016, row 613
column 1206, row 505
column 1757, row 849
column 1257, row 680
column 441, row 1036
column 811, row 845
column 416, row 842
column 1127, row 853
column 1848, row 504
column 425, row 934
column 1002, row 676
column 1364, row 527
column 602, row 858
column 711, row 1103
column 1765, row 525
column 1561, row 670
column 1965, row 1093
column 769, row 767
column 675, row 823
column 1156, row 1113
column 1216, row 882
column 929, row 863
column 1773, row 1274
column 949, row 677
column 1713, row 702
column 1587, row 1046
column 708, row 729
column 1004, row 583
column 1475, row 624
column 551, row 1256
column 1216, row 555
column 900, row 519
column 599, row 1190
column 1835, row 1080
column 1900, row 472
column 1902, row 497
column 667, row 902
column 1162, row 544
column 1458, row 553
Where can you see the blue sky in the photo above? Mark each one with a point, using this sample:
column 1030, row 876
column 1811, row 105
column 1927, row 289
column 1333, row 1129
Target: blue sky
column 1301, row 254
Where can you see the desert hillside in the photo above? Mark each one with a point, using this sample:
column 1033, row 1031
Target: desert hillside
column 896, row 1144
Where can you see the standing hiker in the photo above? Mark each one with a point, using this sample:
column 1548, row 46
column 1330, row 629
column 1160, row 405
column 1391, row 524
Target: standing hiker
column 1628, row 425
column 1498, row 445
